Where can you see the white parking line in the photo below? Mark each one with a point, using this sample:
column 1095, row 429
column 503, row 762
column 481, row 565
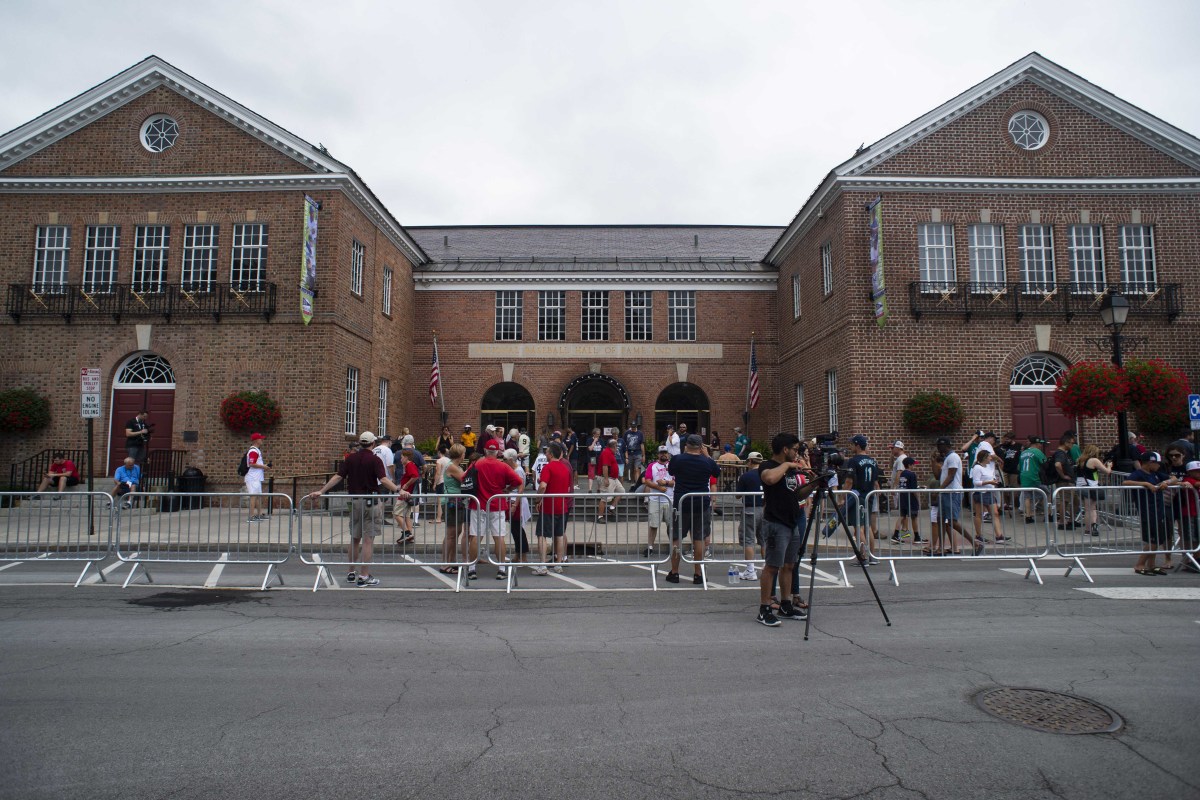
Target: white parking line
column 1144, row 592
column 215, row 574
column 446, row 579
column 95, row 576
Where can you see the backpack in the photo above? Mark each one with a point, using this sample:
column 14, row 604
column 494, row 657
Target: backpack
column 1049, row 474
column 244, row 465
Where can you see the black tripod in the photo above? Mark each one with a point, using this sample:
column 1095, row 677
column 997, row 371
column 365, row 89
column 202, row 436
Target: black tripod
column 823, row 495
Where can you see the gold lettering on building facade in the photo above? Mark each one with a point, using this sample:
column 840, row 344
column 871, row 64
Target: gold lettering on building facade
column 586, row 350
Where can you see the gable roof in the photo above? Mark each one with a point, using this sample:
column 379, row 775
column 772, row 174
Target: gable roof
column 1038, row 70
column 149, row 74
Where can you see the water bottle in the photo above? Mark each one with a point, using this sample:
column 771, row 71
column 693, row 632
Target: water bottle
column 733, row 575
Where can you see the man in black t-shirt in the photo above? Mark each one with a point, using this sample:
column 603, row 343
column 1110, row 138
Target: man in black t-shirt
column 784, row 488
column 1064, row 475
column 1010, row 451
column 862, row 477
column 137, row 433
column 692, row 471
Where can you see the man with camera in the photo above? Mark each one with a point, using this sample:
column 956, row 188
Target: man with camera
column 137, row 433
column 784, row 489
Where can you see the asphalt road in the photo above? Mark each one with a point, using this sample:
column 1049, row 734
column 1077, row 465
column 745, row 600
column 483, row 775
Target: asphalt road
column 163, row 692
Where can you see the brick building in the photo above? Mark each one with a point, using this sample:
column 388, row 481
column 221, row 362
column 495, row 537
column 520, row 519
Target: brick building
column 155, row 228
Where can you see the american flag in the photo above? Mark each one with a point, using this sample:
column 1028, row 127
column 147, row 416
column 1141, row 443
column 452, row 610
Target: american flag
column 435, row 378
column 753, row 378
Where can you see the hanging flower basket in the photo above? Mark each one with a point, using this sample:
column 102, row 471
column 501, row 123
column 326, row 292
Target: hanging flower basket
column 1155, row 386
column 1091, row 389
column 23, row 410
column 249, row 411
column 933, row 412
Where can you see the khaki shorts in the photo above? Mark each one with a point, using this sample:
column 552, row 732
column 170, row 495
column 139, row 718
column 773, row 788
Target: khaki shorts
column 660, row 513
column 366, row 517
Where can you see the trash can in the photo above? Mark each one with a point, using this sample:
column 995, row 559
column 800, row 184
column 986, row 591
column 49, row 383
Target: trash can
column 188, row 481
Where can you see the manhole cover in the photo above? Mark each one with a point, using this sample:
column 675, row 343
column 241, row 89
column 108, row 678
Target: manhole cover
column 1052, row 712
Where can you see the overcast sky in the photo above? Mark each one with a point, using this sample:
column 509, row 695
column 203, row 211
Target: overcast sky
column 597, row 112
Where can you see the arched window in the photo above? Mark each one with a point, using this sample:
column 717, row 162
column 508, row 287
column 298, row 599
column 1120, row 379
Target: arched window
column 146, row 369
column 507, row 405
column 684, row 403
column 1036, row 371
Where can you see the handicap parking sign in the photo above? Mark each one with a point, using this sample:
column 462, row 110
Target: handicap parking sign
column 1194, row 410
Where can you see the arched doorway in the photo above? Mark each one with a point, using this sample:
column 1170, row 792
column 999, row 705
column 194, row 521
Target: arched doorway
column 595, row 401
column 681, row 403
column 1031, row 389
column 507, row 405
column 144, row 381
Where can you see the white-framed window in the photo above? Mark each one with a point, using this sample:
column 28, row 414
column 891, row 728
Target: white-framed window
column 381, row 420
column 831, row 394
column 248, row 267
column 150, row 246
column 827, row 268
column 681, row 316
column 986, row 249
column 50, row 253
column 358, row 255
column 100, row 258
column 509, row 314
column 1139, row 274
column 159, row 132
column 1037, row 257
column 387, row 290
column 639, row 310
column 795, row 297
column 199, row 258
column 1029, row 130
column 552, row 316
column 351, row 400
column 935, row 246
column 800, row 411
column 593, row 322
column 1085, row 243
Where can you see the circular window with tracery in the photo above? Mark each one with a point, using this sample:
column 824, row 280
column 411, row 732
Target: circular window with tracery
column 1029, row 130
column 159, row 132
column 1038, row 370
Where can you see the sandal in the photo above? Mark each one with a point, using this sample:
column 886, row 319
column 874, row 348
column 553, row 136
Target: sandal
column 1158, row 571
column 1145, row 572
column 798, row 603
column 449, row 570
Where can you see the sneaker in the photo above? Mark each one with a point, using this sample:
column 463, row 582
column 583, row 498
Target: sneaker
column 789, row 611
column 405, row 538
column 1095, row 531
column 979, row 548
column 602, row 520
column 987, row 516
column 501, row 574
column 472, row 575
column 672, row 577
column 1030, row 520
column 707, row 553
column 351, row 577
column 748, row 574
column 648, row 552
column 765, row 616
column 126, row 504
column 896, row 538
column 368, row 580
column 557, row 569
column 540, row 571
column 872, row 561
column 917, row 539
column 697, row 580
column 257, row 519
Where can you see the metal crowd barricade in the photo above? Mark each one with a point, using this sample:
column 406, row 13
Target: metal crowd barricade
column 325, row 526
column 202, row 528
column 597, row 529
column 56, row 526
column 1005, row 536
column 1116, row 532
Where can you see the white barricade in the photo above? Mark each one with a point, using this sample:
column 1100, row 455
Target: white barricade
column 1163, row 523
column 331, row 529
column 562, row 531
column 203, row 528
column 56, row 526
column 992, row 525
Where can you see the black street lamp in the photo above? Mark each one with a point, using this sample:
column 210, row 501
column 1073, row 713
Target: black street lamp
column 1114, row 312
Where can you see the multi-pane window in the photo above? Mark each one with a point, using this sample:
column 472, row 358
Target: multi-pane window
column 1086, row 246
column 831, row 392
column 100, row 258
column 987, row 257
column 594, row 317
column 50, row 258
column 1138, row 271
column 199, row 258
column 248, row 269
column 935, row 246
column 552, row 316
column 638, row 312
column 795, row 297
column 352, row 400
column 357, row 256
column 681, row 316
column 1037, row 257
column 150, row 246
column 800, row 411
column 827, row 268
column 509, row 307
column 381, row 421
column 387, row 290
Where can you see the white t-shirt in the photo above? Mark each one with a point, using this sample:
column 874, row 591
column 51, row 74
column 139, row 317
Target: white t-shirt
column 658, row 472
column 952, row 462
column 254, row 457
column 538, row 464
column 983, row 474
column 387, row 457
column 443, row 464
column 673, row 444
column 897, row 468
column 984, row 445
column 523, row 445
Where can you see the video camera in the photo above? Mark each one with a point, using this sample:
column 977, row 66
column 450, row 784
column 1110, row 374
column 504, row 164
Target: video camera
column 823, row 453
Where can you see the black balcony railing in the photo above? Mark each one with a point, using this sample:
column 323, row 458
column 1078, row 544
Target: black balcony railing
column 1017, row 300
column 123, row 300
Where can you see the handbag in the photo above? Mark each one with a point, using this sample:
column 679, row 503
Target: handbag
column 469, row 484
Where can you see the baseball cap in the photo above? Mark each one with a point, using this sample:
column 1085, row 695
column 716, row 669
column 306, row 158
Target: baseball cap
column 510, row 453
column 254, row 437
column 898, row 443
column 492, row 445
column 556, row 435
column 383, row 437
column 943, row 440
column 1152, row 456
column 754, row 456
column 737, row 430
column 662, row 448
column 859, row 440
column 991, row 434
column 367, row 437
column 468, row 427
column 694, row 440
column 1037, row 440
column 670, row 427
column 1192, row 466
column 908, row 461
column 490, row 429
column 408, row 441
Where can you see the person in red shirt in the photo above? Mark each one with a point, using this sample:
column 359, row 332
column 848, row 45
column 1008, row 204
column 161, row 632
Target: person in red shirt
column 62, row 473
column 409, row 475
column 492, row 479
column 609, row 473
column 1190, row 505
column 557, row 478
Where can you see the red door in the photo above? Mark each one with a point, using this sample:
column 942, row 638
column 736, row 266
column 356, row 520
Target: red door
column 1036, row 414
column 126, row 405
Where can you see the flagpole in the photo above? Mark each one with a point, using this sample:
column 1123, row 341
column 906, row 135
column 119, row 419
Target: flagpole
column 746, row 409
column 441, row 381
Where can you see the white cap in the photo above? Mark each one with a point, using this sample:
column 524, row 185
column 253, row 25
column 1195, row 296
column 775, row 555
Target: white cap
column 754, row 456
column 490, row 428
column 1191, row 465
column 510, row 453
column 898, row 443
column 367, row 438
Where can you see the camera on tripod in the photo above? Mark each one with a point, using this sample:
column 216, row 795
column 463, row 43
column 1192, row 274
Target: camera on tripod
column 823, row 454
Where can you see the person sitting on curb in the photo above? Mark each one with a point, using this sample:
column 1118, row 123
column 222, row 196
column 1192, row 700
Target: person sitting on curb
column 127, row 478
column 63, row 473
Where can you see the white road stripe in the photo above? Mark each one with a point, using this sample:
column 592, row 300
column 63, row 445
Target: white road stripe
column 215, row 574
column 441, row 576
column 570, row 580
column 1144, row 592
column 95, row 576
